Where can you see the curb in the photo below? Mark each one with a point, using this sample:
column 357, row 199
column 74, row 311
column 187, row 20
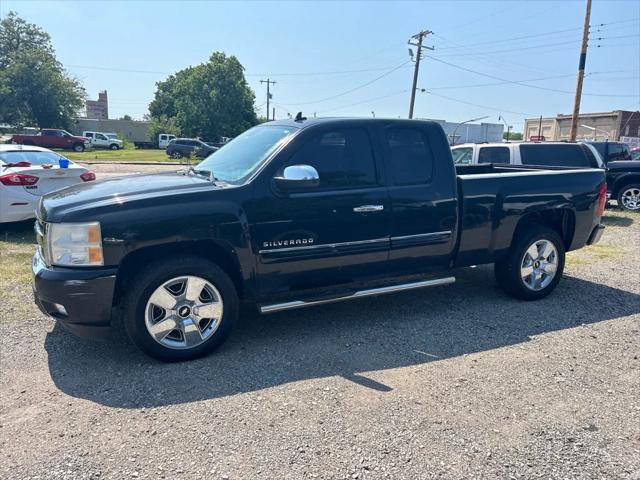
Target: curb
column 106, row 162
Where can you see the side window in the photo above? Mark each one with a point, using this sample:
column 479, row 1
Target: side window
column 48, row 133
column 494, row 155
column 462, row 156
column 99, row 136
column 554, row 155
column 163, row 137
column 593, row 161
column 343, row 158
column 410, row 156
column 618, row 151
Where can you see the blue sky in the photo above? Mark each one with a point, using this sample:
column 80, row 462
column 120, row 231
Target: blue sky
column 125, row 47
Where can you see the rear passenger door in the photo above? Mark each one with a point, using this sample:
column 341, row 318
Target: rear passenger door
column 423, row 193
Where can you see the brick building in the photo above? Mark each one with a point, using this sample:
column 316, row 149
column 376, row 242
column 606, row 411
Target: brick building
column 598, row 126
column 98, row 109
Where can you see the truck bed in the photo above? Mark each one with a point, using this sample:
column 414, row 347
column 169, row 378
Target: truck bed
column 493, row 199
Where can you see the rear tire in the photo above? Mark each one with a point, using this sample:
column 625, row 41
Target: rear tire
column 143, row 312
column 629, row 197
column 534, row 265
column 78, row 147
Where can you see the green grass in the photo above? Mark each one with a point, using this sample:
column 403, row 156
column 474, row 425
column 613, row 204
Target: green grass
column 124, row 155
column 17, row 244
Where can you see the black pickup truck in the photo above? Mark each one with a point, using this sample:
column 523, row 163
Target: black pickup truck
column 298, row 213
column 623, row 173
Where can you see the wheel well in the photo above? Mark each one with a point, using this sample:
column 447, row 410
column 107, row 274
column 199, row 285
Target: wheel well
column 562, row 220
column 623, row 182
column 138, row 259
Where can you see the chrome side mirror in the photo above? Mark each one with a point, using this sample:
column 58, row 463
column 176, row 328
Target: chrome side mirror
column 297, row 177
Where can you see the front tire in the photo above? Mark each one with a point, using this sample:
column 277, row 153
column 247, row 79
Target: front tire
column 534, row 265
column 629, row 197
column 180, row 309
column 113, row 146
column 78, row 147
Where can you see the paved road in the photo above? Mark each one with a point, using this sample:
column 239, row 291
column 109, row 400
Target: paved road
column 453, row 382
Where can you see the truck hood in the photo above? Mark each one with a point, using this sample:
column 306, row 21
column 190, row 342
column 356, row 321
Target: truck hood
column 118, row 191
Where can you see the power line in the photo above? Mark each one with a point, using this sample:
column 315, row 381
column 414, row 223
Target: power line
column 515, row 82
column 291, row 74
column 535, row 47
column 365, row 101
column 352, row 89
column 478, row 105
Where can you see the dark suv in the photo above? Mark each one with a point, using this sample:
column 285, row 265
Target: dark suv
column 184, row 147
column 612, row 151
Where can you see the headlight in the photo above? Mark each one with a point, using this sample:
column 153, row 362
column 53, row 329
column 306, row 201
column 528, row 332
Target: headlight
column 75, row 244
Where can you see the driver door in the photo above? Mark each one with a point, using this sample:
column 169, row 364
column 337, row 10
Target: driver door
column 335, row 233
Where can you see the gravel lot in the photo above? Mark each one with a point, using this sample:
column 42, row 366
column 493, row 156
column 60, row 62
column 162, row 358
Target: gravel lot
column 450, row 382
column 113, row 169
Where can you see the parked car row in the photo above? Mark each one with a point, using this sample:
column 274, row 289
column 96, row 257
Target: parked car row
column 622, row 173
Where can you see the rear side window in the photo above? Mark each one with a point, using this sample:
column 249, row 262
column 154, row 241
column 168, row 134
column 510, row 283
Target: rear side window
column 494, row 155
column 342, row 157
column 590, row 156
column 554, row 155
column 462, row 156
column 410, row 156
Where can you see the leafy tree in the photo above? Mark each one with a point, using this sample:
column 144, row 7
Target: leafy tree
column 163, row 124
column 126, row 117
column 34, row 87
column 512, row 136
column 209, row 100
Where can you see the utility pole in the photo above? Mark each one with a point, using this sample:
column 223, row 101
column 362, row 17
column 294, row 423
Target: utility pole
column 418, row 37
column 268, row 82
column 581, row 64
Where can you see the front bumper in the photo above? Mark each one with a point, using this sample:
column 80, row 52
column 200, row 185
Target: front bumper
column 80, row 299
column 596, row 234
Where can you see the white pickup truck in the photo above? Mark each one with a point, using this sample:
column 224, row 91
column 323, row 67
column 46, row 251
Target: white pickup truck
column 556, row 154
column 103, row 140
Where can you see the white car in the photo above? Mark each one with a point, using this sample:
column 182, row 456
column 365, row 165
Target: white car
column 103, row 140
column 557, row 154
column 28, row 172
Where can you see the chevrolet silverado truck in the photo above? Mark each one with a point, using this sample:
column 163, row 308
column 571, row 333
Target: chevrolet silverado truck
column 53, row 138
column 299, row 213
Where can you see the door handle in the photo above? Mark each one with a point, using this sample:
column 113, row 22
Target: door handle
column 368, row 208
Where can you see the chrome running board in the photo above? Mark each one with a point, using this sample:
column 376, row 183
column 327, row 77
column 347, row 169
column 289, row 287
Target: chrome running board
column 278, row 307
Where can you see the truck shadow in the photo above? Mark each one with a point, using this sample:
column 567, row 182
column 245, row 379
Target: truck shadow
column 347, row 339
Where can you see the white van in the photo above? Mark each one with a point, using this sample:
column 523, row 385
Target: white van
column 556, row 154
column 164, row 139
column 103, row 140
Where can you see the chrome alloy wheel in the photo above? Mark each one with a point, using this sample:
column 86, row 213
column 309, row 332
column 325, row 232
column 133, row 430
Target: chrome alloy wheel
column 539, row 265
column 183, row 312
column 631, row 198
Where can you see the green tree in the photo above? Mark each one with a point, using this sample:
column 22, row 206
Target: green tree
column 34, row 87
column 163, row 124
column 126, row 117
column 209, row 100
column 512, row 136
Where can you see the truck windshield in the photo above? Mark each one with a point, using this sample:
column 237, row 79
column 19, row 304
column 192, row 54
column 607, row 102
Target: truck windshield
column 242, row 156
